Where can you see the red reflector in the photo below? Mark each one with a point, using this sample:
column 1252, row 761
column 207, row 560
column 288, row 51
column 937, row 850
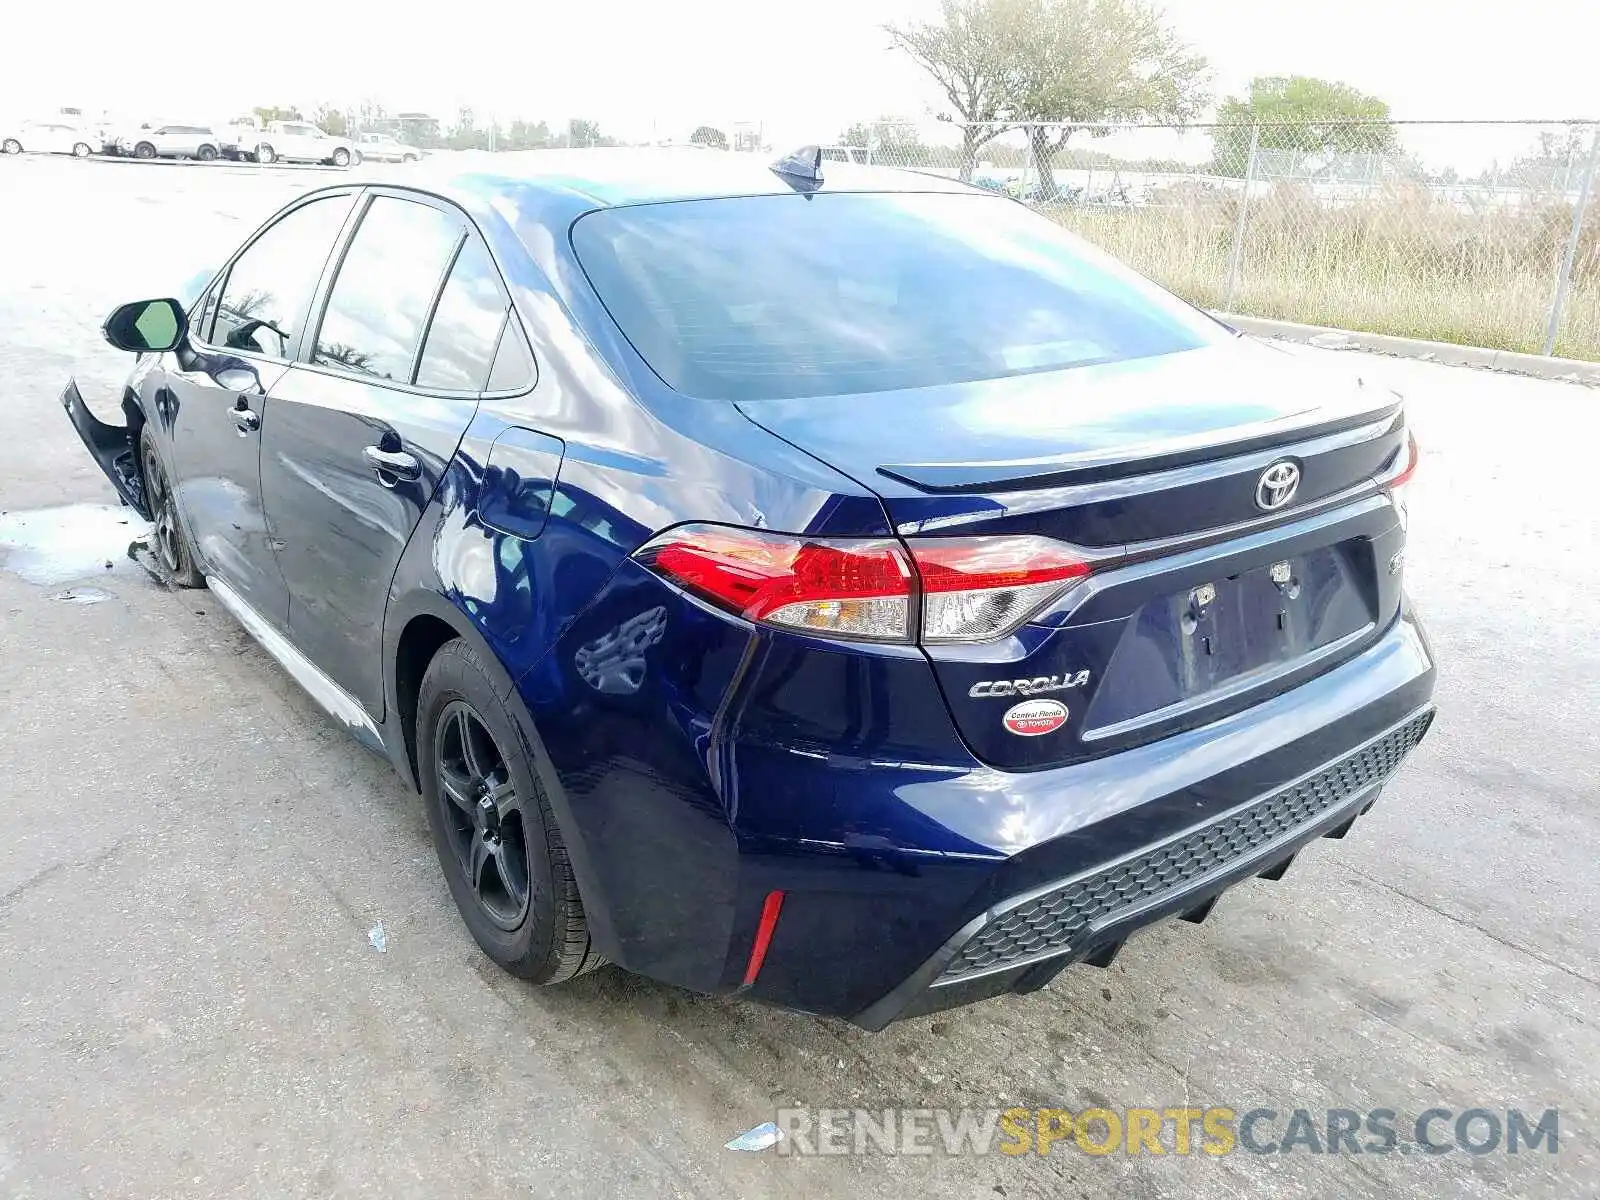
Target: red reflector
column 758, row 948
column 979, row 564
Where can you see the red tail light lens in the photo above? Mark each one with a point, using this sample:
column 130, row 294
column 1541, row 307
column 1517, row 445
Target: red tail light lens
column 1396, row 484
column 977, row 589
column 969, row 589
column 855, row 588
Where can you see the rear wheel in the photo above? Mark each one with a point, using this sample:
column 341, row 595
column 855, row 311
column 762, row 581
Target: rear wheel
column 266, row 154
column 144, row 150
column 81, row 150
column 503, row 856
column 168, row 542
column 10, row 146
column 206, row 153
column 341, row 157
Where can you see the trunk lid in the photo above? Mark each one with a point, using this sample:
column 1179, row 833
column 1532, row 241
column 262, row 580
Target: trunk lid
column 1204, row 599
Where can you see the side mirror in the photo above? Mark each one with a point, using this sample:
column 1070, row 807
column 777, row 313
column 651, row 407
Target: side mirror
column 147, row 326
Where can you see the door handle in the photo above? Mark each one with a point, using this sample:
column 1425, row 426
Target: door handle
column 248, row 420
column 393, row 462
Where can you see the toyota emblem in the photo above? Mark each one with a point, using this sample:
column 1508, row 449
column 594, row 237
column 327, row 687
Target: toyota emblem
column 1277, row 485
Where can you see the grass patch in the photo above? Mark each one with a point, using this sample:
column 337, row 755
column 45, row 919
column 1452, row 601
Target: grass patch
column 1409, row 263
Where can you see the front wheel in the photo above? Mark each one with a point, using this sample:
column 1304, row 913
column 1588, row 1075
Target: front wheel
column 81, row 150
column 341, row 157
column 265, row 154
column 168, row 541
column 144, row 150
column 10, row 146
column 502, row 853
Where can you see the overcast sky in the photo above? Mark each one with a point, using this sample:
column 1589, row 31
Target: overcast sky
column 804, row 69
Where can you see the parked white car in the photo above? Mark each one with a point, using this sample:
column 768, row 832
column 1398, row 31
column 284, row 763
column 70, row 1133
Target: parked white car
column 380, row 147
column 300, row 141
column 48, row 137
column 172, row 141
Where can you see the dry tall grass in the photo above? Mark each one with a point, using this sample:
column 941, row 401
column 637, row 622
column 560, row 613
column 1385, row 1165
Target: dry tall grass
column 1408, row 262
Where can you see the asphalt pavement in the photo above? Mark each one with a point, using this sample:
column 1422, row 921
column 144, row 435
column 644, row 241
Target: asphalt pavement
column 194, row 863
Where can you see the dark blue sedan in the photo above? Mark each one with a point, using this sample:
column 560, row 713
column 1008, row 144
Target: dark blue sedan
column 829, row 584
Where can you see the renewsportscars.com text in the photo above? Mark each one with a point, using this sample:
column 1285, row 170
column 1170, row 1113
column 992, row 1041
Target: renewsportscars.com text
column 1177, row 1131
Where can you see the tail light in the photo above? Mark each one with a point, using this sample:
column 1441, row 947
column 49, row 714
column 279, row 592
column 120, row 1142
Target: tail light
column 976, row 589
column 1396, row 484
column 932, row 589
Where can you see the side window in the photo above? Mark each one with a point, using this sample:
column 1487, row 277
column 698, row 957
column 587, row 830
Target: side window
column 206, row 312
column 513, row 366
column 466, row 325
column 385, row 287
column 264, row 299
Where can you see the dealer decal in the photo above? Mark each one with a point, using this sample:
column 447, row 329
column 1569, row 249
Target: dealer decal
column 1033, row 718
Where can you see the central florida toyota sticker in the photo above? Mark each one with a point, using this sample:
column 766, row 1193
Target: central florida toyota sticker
column 1034, row 717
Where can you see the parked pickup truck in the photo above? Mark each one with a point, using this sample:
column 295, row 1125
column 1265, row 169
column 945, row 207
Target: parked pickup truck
column 288, row 141
column 380, row 147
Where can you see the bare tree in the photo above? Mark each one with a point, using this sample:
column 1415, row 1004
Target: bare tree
column 970, row 53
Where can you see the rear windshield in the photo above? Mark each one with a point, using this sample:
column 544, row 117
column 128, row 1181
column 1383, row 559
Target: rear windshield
column 763, row 297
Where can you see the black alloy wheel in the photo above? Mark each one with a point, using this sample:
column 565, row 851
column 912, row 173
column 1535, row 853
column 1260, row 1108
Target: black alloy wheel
column 483, row 815
column 167, row 539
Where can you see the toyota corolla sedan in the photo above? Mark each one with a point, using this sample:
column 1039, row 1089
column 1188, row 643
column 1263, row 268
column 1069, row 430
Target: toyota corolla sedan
column 831, row 585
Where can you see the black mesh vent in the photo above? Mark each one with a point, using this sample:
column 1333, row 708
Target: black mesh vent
column 1056, row 919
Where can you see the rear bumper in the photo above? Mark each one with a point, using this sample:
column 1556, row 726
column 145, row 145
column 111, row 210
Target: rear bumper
column 1020, row 944
column 725, row 767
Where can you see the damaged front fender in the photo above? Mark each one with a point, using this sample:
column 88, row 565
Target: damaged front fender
column 112, row 446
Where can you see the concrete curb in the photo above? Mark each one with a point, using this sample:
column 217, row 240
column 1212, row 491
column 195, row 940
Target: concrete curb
column 1567, row 370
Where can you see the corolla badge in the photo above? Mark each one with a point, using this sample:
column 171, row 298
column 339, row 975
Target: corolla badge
column 1027, row 687
column 1277, row 485
column 1033, row 718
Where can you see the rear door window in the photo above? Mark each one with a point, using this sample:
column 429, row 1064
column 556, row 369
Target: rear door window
column 385, row 287
column 461, row 341
column 263, row 302
column 763, row 297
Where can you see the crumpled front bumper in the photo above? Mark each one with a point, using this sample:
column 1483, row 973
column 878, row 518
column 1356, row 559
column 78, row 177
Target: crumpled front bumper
column 111, row 446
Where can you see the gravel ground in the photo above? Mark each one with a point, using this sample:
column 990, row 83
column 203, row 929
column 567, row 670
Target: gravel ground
column 193, row 858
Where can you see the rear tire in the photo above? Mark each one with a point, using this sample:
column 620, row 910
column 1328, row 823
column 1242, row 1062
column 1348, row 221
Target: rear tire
column 10, row 146
column 206, row 153
column 144, row 150
column 341, row 157
column 491, row 818
column 81, row 149
column 266, row 155
column 168, row 541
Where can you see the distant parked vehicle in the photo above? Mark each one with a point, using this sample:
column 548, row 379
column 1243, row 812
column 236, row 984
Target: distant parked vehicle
column 380, row 147
column 299, row 141
column 172, row 141
column 48, row 137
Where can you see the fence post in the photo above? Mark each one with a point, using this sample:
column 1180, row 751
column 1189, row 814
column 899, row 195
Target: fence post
column 1238, row 229
column 1565, row 280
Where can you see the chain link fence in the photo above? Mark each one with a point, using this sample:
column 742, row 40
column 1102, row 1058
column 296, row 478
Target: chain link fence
column 1480, row 233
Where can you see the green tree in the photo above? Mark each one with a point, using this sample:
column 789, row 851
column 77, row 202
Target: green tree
column 527, row 135
column 1080, row 63
column 331, row 121
column 709, row 135
column 970, row 52
column 892, row 142
column 277, row 114
column 1300, row 113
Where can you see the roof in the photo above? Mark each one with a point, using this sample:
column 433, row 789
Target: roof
column 608, row 177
